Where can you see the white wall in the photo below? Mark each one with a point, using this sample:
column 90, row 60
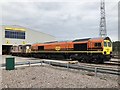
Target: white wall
column 37, row 37
column 0, row 40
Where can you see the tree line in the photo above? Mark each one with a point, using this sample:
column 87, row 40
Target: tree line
column 116, row 47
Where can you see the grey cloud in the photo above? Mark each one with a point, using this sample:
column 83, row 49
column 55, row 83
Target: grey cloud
column 65, row 20
column 49, row 6
column 90, row 6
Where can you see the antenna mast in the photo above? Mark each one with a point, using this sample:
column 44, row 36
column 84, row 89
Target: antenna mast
column 103, row 32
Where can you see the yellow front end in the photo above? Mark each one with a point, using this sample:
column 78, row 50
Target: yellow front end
column 107, row 47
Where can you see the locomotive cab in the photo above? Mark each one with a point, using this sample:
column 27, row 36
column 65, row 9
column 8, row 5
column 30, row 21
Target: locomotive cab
column 107, row 48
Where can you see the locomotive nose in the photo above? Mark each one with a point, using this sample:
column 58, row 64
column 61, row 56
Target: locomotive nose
column 107, row 47
column 107, row 51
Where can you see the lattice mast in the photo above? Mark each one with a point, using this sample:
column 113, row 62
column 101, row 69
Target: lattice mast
column 103, row 31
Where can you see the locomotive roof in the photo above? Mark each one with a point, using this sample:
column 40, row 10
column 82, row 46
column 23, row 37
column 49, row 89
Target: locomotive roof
column 107, row 38
column 104, row 38
column 85, row 39
column 56, row 41
column 51, row 42
column 78, row 40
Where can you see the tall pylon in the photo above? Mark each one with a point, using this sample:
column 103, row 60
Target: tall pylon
column 103, row 31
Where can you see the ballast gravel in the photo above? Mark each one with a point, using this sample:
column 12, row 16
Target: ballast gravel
column 51, row 77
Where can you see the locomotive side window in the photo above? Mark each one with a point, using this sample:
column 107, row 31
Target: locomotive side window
column 97, row 44
column 105, row 44
column 40, row 48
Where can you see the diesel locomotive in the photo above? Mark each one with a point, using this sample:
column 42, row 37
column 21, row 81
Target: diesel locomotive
column 90, row 50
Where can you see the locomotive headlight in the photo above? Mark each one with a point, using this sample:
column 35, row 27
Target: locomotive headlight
column 27, row 47
column 104, row 52
column 110, row 52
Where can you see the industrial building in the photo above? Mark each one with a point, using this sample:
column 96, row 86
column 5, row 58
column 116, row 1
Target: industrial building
column 18, row 35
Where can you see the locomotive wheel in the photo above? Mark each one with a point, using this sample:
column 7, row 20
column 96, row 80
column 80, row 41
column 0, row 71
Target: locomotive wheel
column 83, row 58
column 97, row 59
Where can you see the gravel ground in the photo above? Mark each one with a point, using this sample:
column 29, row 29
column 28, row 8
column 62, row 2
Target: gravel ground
column 55, row 77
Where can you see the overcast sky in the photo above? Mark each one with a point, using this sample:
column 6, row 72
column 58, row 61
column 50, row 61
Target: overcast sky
column 64, row 19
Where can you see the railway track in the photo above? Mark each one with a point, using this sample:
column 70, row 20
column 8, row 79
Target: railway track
column 115, row 62
column 107, row 63
column 112, row 63
column 116, row 56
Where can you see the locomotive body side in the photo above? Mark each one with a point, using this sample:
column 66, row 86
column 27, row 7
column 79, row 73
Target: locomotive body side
column 59, row 46
column 95, row 45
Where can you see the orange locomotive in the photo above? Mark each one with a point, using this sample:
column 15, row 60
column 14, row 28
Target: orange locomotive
column 94, row 44
column 95, row 50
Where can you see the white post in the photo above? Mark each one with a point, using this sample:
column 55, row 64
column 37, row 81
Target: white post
column 1, row 42
column 95, row 71
column 49, row 63
column 41, row 62
column 29, row 63
column 67, row 65
column 1, row 39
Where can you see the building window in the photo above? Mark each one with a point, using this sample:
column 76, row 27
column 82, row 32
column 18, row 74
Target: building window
column 14, row 34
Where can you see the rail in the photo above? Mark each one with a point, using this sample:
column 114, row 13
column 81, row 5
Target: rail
column 116, row 56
